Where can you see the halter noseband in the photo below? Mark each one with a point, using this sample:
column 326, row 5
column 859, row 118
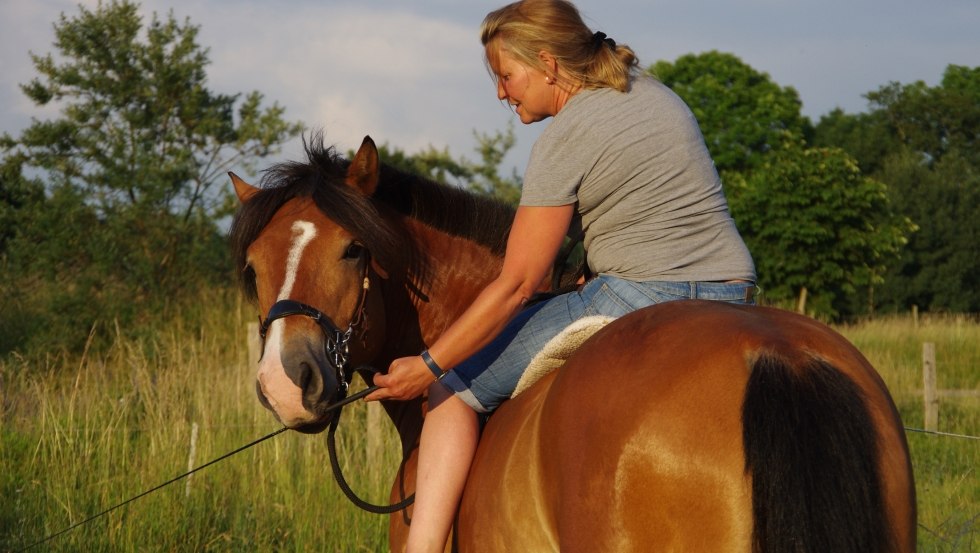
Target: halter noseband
column 336, row 340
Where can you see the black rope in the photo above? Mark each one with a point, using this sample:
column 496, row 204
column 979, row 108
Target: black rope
column 946, row 434
column 147, row 492
column 338, row 474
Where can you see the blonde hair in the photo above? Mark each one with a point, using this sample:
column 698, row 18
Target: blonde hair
column 528, row 27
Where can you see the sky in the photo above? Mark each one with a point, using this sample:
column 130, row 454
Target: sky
column 411, row 73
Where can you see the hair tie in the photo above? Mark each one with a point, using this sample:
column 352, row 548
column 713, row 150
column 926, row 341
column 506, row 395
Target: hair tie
column 599, row 38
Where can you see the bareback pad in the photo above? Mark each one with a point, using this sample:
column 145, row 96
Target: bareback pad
column 559, row 349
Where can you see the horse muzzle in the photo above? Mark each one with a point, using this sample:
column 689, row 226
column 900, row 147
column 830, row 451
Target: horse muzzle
column 297, row 383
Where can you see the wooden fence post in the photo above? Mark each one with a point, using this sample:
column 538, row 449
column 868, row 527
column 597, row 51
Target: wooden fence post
column 801, row 301
column 931, row 394
column 190, row 459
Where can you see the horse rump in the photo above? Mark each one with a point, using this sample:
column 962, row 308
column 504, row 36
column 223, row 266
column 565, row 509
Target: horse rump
column 812, row 451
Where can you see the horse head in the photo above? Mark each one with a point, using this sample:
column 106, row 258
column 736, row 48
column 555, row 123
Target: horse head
column 311, row 271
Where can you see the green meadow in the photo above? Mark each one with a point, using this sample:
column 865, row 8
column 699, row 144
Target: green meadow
column 81, row 434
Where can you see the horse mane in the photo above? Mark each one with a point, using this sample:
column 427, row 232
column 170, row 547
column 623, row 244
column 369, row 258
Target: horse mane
column 450, row 209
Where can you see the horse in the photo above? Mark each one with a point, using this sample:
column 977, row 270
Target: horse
column 686, row 426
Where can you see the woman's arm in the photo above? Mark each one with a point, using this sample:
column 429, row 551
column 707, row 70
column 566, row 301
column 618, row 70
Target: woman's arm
column 535, row 237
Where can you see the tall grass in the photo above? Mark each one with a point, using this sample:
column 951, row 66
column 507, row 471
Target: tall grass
column 78, row 435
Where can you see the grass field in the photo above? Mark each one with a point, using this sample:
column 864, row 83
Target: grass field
column 79, row 435
column 947, row 482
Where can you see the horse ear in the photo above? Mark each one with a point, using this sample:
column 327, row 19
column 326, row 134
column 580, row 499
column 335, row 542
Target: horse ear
column 244, row 190
column 365, row 168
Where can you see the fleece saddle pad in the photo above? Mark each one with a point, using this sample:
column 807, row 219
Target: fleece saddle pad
column 559, row 349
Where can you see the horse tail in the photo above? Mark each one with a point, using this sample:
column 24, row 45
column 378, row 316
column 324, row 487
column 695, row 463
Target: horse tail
column 811, row 448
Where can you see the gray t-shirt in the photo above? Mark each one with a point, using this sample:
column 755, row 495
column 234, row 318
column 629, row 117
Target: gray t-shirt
column 648, row 195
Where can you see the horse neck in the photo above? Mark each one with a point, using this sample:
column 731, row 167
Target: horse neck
column 421, row 305
column 456, row 271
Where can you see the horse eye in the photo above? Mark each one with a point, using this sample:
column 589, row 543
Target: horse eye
column 354, row 251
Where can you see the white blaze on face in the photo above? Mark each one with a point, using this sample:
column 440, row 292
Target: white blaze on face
column 303, row 232
column 284, row 396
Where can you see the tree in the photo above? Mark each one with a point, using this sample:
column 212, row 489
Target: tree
column 743, row 114
column 940, row 267
column 922, row 142
column 492, row 149
column 865, row 136
column 935, row 121
column 139, row 126
column 814, row 223
column 134, row 165
column 17, row 194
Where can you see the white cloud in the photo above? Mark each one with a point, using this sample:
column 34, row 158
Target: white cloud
column 397, row 75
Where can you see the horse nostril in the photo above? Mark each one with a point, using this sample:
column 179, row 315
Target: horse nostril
column 302, row 364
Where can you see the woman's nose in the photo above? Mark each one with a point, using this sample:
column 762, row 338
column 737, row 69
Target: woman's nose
column 501, row 93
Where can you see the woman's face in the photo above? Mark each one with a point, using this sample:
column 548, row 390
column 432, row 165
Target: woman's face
column 527, row 89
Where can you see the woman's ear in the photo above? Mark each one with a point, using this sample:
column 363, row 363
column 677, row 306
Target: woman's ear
column 549, row 62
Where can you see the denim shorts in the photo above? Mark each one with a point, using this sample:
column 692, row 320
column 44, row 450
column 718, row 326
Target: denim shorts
column 487, row 378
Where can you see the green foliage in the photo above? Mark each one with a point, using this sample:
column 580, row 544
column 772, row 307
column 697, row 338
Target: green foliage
column 492, row 149
column 922, row 142
column 864, row 136
column 940, row 267
column 135, row 177
column 743, row 114
column 935, row 121
column 813, row 221
column 17, row 195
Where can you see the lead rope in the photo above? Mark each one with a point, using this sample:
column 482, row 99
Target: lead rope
column 338, row 473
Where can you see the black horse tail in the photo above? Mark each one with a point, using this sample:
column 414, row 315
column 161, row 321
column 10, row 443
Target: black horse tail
column 812, row 452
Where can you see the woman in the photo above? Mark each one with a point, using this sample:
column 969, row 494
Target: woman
column 624, row 160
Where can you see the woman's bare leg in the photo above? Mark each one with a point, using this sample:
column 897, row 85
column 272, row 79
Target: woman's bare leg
column 449, row 438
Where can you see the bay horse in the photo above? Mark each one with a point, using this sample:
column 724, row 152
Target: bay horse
column 685, row 426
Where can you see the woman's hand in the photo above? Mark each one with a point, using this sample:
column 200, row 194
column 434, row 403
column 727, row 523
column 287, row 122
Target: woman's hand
column 407, row 378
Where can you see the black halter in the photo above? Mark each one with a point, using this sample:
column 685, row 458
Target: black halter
column 336, row 341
